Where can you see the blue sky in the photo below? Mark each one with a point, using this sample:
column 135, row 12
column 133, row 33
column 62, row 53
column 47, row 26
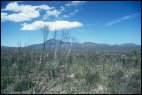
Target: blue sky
column 110, row 22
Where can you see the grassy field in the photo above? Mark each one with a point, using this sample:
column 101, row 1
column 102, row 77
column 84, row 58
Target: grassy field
column 27, row 71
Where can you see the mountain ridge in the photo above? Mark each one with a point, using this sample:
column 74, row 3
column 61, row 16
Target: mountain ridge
column 53, row 40
column 89, row 46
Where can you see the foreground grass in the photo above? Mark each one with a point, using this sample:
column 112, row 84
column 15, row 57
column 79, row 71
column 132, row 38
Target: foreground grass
column 97, row 73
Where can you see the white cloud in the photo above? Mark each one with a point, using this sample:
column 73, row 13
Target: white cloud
column 74, row 3
column 22, row 12
column 57, row 25
column 14, row 6
column 44, row 7
column 122, row 19
column 53, row 13
column 70, row 14
column 25, row 15
column 34, row 26
column 4, row 16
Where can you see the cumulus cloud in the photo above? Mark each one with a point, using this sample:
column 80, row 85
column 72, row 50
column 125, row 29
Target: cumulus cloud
column 53, row 13
column 14, row 6
column 18, row 12
column 3, row 16
column 121, row 19
column 34, row 26
column 74, row 3
column 22, row 12
column 56, row 25
column 44, row 7
column 21, row 16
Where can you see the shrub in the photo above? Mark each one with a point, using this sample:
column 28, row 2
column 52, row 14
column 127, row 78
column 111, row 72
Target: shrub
column 136, row 76
column 23, row 85
column 133, row 84
column 92, row 78
column 117, row 74
column 134, row 81
column 5, row 81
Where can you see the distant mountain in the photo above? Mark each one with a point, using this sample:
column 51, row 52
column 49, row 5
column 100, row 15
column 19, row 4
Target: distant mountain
column 128, row 45
column 85, row 46
column 90, row 46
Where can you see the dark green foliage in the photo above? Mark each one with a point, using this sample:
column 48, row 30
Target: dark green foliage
column 5, row 81
column 117, row 74
column 23, row 85
column 52, row 73
column 134, row 81
column 136, row 76
column 93, row 78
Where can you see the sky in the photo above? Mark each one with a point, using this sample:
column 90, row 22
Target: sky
column 109, row 22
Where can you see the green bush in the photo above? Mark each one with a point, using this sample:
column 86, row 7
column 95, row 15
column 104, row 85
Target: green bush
column 115, row 80
column 78, row 75
column 5, row 81
column 135, row 79
column 133, row 84
column 92, row 78
column 136, row 76
column 23, row 85
column 117, row 74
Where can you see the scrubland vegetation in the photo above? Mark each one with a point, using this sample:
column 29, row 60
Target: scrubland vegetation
column 60, row 69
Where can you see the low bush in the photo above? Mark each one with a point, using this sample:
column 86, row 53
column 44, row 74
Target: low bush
column 5, row 81
column 23, row 85
column 93, row 78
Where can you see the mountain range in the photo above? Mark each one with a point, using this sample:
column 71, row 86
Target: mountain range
column 51, row 43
